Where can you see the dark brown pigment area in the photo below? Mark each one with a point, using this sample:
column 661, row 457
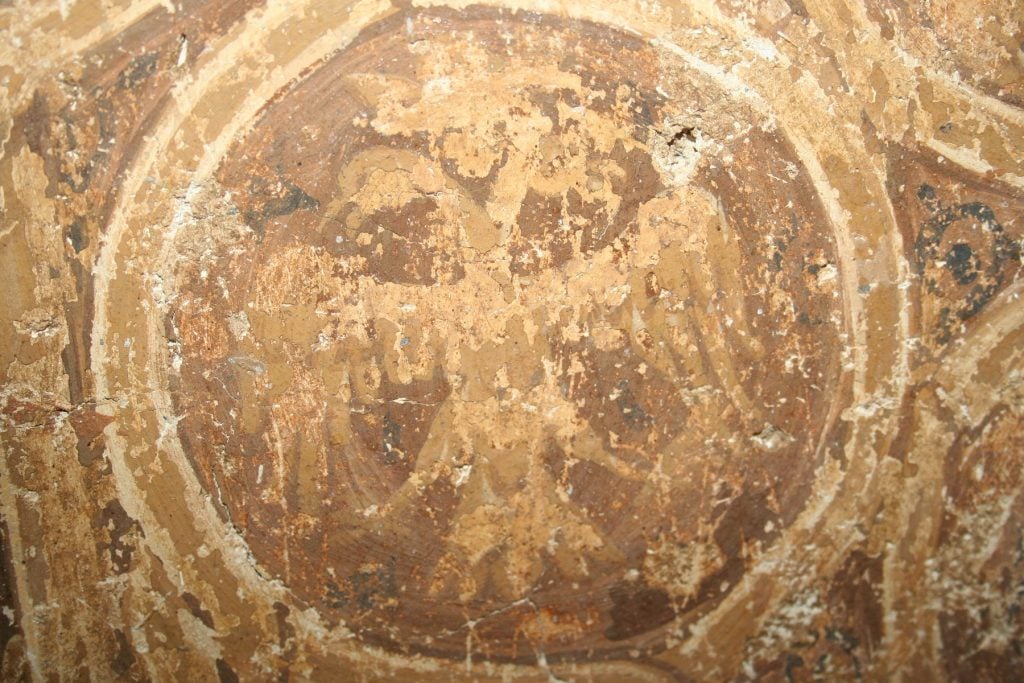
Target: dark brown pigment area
column 962, row 237
column 982, row 464
column 549, row 487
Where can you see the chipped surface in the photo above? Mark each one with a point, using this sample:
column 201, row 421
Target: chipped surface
column 654, row 341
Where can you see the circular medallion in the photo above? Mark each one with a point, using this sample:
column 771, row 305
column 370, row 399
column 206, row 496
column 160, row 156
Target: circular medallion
column 500, row 326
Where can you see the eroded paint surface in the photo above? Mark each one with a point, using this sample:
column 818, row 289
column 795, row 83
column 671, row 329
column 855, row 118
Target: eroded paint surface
column 658, row 341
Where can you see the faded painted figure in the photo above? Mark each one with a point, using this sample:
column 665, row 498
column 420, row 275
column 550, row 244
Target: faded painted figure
column 495, row 362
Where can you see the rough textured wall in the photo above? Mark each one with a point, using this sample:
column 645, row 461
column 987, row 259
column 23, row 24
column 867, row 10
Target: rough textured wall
column 596, row 341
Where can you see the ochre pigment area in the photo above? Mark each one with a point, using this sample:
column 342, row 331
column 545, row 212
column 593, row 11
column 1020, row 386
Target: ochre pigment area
column 618, row 341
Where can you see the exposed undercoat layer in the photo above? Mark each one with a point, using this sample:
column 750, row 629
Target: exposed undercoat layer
column 587, row 341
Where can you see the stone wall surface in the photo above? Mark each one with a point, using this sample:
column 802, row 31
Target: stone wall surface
column 514, row 340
